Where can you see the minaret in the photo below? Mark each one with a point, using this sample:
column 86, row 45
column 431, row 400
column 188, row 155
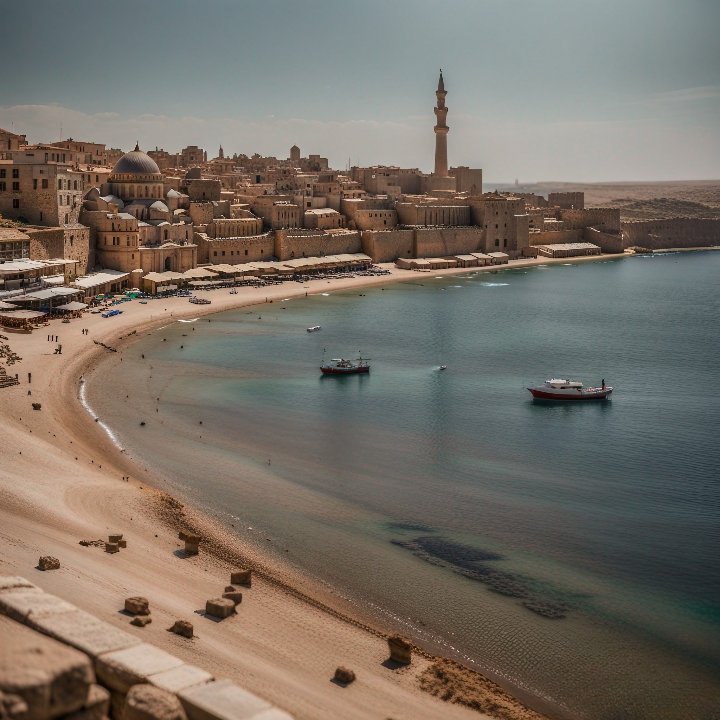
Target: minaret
column 441, row 131
column 221, row 155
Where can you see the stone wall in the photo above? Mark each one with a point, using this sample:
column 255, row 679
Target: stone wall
column 607, row 242
column 388, row 245
column 375, row 219
column 422, row 214
column 234, row 227
column 235, row 250
column 570, row 200
column 607, row 219
column 292, row 244
column 553, row 237
column 202, row 190
column 673, row 233
column 46, row 243
column 438, row 242
column 201, row 213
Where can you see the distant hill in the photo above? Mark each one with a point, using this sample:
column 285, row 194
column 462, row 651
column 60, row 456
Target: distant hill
column 637, row 200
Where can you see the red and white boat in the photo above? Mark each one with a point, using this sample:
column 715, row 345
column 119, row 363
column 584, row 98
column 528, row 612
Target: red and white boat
column 570, row 390
column 341, row 366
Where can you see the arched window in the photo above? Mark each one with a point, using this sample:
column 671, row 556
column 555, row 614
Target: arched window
column 75, row 185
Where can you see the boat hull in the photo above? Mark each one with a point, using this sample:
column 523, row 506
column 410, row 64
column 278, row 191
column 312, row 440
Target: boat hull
column 345, row 371
column 581, row 396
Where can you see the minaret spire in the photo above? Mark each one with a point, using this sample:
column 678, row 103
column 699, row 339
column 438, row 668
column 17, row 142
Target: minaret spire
column 441, row 130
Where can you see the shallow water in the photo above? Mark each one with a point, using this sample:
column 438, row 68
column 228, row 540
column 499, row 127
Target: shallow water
column 572, row 550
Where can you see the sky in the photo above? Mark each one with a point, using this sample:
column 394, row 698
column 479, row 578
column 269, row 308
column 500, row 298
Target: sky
column 538, row 90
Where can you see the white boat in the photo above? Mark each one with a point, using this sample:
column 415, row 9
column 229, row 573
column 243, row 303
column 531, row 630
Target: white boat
column 569, row 390
column 314, row 328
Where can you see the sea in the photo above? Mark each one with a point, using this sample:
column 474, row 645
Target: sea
column 570, row 551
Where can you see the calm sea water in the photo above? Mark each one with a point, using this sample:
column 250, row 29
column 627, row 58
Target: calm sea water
column 573, row 551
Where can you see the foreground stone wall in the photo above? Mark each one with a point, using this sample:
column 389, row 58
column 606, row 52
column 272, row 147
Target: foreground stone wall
column 92, row 668
column 672, row 233
column 388, row 245
column 554, row 237
column 607, row 242
column 234, row 250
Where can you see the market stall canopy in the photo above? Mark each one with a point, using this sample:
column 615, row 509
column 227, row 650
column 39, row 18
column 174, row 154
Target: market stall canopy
column 21, row 315
column 74, row 305
column 99, row 278
column 199, row 272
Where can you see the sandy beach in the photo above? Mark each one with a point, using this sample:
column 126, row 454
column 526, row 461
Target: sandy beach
column 63, row 480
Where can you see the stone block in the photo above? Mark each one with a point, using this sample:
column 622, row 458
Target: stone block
column 115, row 538
column 96, row 707
column 47, row 562
column 400, row 649
column 180, row 678
column 122, row 543
column 344, row 675
column 146, row 702
column 85, row 632
column 182, row 627
column 122, row 669
column 236, row 597
column 112, row 547
column 230, row 588
column 141, row 620
column 26, row 607
column 220, row 607
column 191, row 548
column 189, row 537
column 52, row 679
column 137, row 605
column 241, row 577
column 14, row 583
column 222, row 700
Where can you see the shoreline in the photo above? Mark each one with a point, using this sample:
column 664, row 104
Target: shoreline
column 72, row 502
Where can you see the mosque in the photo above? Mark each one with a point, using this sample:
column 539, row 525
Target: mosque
column 135, row 223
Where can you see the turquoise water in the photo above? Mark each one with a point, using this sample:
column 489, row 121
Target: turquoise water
column 572, row 551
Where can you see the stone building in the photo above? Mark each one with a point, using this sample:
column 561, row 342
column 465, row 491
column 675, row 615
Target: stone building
column 10, row 141
column 88, row 153
column 132, row 228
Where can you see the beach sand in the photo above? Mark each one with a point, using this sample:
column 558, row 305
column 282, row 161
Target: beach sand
column 62, row 481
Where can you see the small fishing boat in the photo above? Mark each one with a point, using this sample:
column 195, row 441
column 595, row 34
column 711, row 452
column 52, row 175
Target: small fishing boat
column 443, row 367
column 569, row 390
column 314, row 328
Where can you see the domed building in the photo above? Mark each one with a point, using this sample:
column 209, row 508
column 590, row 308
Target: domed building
column 134, row 229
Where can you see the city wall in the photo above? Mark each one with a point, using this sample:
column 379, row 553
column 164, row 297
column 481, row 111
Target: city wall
column 234, row 251
column 440, row 241
column 672, row 233
column 607, row 219
column 607, row 242
column 388, row 245
column 315, row 244
column 70, row 243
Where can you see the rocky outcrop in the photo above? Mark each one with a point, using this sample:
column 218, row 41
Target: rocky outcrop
column 137, row 605
column 48, row 563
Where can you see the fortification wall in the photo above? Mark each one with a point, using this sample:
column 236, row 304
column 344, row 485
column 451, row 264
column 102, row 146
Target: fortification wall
column 440, row 241
column 201, row 213
column 672, row 233
column 607, row 242
column 552, row 237
column 607, row 219
column 388, row 245
column 294, row 245
column 234, row 251
column 575, row 200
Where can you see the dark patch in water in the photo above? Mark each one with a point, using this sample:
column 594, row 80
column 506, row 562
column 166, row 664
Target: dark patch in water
column 473, row 563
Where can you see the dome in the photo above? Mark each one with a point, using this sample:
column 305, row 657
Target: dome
column 136, row 163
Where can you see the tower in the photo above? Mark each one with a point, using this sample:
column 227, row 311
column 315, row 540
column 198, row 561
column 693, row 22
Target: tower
column 441, row 131
column 221, row 154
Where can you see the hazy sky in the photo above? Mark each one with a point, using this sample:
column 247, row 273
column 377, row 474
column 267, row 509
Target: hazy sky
column 537, row 89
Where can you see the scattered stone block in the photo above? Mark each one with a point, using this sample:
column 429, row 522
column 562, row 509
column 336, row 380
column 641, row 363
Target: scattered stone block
column 344, row 675
column 230, row 588
column 180, row 678
column 192, row 542
column 147, row 702
column 97, row 706
column 115, row 538
column 122, row 669
column 241, row 577
column 112, row 547
column 224, row 700
column 141, row 620
column 400, row 649
column 236, row 597
column 37, row 406
column 182, row 627
column 122, row 543
column 51, row 679
column 220, row 607
column 137, row 605
column 27, row 606
column 47, row 562
column 85, row 632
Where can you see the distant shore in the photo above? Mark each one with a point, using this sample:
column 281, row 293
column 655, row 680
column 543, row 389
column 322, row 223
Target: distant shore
column 62, row 480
